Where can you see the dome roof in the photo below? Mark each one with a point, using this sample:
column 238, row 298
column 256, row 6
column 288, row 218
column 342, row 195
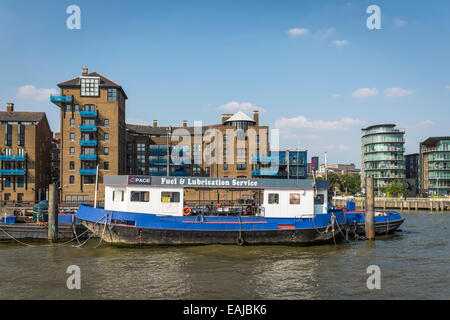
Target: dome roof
column 240, row 116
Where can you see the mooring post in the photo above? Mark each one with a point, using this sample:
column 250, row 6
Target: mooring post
column 370, row 210
column 52, row 214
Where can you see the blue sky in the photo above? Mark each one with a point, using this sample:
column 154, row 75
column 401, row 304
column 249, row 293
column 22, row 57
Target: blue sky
column 312, row 67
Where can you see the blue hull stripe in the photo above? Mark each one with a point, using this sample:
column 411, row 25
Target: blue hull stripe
column 210, row 223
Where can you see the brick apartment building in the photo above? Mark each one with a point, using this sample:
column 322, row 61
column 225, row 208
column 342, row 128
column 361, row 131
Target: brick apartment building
column 24, row 155
column 92, row 134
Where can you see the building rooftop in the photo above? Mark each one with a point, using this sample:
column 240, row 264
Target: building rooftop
column 21, row 116
column 240, row 116
column 388, row 125
column 104, row 82
column 432, row 141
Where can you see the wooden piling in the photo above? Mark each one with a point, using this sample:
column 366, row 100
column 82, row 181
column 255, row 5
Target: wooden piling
column 52, row 214
column 370, row 210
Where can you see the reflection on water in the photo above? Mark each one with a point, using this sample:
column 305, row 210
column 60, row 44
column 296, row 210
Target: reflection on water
column 414, row 264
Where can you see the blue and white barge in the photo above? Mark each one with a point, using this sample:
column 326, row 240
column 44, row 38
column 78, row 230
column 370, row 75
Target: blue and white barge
column 149, row 210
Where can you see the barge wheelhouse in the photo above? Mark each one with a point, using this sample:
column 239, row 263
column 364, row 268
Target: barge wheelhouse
column 144, row 210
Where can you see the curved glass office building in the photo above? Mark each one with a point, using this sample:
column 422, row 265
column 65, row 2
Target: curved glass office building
column 382, row 155
column 434, row 169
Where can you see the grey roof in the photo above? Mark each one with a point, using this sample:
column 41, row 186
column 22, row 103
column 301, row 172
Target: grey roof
column 432, row 141
column 104, row 82
column 150, row 130
column 21, row 116
column 388, row 125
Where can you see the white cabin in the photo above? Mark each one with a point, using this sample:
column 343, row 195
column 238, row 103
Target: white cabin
column 165, row 195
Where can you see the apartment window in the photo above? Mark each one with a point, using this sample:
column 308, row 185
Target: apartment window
column 89, row 122
column 89, row 107
column 68, row 108
column 20, row 182
column 118, row 195
column 71, row 179
column 274, row 198
column 8, row 135
column 113, row 94
column 225, row 166
column 7, row 196
column 72, row 122
column 106, row 136
column 71, row 165
column 241, row 166
column 21, row 135
column 72, row 151
column 106, row 123
column 294, row 198
column 77, row 108
column 90, row 86
column 106, row 165
column 7, row 183
column 140, row 196
column 89, row 179
column 170, row 197
column 106, row 151
column 72, row 136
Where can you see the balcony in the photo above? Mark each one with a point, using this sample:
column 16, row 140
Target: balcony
column 88, row 157
column 180, row 173
column 61, row 99
column 88, row 143
column 88, row 172
column 12, row 172
column 88, row 128
column 88, row 114
column 157, row 161
column 13, row 158
column 264, row 172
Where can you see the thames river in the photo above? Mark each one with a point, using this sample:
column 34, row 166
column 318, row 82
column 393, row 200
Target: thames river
column 414, row 264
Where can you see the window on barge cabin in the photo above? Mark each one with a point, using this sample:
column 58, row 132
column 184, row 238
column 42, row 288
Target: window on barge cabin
column 274, row 198
column 117, row 196
column 294, row 198
column 170, row 196
column 140, row 196
column 319, row 199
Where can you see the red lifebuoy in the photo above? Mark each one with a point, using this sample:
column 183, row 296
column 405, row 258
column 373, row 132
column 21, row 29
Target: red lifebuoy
column 186, row 211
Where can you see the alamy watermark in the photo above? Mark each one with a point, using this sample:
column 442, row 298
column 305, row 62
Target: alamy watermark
column 74, row 20
column 374, row 280
column 74, row 280
column 374, row 21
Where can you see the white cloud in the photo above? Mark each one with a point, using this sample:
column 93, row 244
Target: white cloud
column 340, row 43
column 235, row 106
column 425, row 124
column 399, row 22
column 33, row 93
column 447, row 87
column 296, row 32
column 302, row 122
column 324, row 33
column 365, row 92
column 397, row 92
column 336, row 96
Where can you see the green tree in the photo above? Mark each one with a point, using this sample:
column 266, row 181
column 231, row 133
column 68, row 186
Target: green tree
column 395, row 189
column 352, row 182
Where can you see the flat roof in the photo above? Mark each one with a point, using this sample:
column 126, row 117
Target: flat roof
column 389, row 125
column 214, row 183
column 432, row 141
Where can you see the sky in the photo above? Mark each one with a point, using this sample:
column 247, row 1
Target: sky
column 314, row 69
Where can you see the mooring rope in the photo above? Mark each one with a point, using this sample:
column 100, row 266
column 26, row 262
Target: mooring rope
column 53, row 244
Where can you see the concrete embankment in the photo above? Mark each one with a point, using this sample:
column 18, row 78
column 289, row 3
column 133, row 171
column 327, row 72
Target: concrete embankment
column 397, row 203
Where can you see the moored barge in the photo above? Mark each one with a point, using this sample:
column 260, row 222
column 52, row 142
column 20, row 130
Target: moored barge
column 150, row 210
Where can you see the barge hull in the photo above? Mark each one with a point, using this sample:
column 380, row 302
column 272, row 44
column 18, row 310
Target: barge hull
column 135, row 236
column 381, row 228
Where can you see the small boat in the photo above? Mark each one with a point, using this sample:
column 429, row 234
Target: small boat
column 386, row 221
column 151, row 210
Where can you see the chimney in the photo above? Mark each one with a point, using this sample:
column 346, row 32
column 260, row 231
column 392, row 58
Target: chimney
column 225, row 117
column 256, row 117
column 9, row 106
column 84, row 72
column 184, row 123
column 155, row 123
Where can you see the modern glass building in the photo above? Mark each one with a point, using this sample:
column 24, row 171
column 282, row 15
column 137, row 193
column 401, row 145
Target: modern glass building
column 382, row 150
column 285, row 164
column 434, row 168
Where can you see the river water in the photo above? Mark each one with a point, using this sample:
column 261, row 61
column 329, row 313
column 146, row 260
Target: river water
column 414, row 264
